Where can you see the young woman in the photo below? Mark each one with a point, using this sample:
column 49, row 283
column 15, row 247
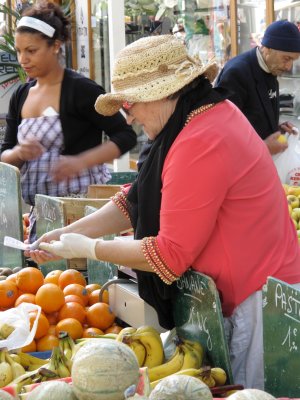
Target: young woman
column 54, row 134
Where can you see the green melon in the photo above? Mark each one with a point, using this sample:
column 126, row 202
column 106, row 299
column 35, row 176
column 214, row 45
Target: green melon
column 5, row 396
column 251, row 394
column 52, row 390
column 103, row 370
column 183, row 387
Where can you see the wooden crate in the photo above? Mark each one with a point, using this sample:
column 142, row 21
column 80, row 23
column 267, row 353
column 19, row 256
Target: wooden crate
column 102, row 191
column 57, row 212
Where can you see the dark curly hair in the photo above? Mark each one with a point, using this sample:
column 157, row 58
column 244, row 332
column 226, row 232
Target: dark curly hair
column 53, row 15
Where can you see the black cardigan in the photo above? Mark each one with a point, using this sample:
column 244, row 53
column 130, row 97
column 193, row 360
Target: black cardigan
column 82, row 125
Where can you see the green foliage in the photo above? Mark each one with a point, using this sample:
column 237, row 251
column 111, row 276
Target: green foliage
column 7, row 45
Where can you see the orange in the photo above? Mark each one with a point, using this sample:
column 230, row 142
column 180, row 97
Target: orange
column 47, row 342
column 100, row 316
column 70, row 325
column 30, row 347
column 52, row 318
column 50, row 298
column 29, row 279
column 94, row 297
column 114, row 328
column 71, row 276
column 91, row 332
column 52, row 276
column 25, row 298
column 92, row 286
column 42, row 326
column 12, row 277
column 72, row 310
column 51, row 330
column 78, row 290
column 74, row 297
column 8, row 293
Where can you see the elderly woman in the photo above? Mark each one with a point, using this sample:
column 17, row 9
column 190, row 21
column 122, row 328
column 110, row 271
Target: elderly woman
column 207, row 197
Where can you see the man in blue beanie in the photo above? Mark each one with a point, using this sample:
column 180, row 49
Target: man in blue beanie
column 251, row 77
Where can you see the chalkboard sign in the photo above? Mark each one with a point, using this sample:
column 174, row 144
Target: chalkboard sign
column 120, row 178
column 11, row 223
column 100, row 271
column 281, row 325
column 198, row 317
column 49, row 215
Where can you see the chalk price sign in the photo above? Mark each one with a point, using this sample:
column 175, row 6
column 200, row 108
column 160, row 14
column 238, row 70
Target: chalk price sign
column 281, row 325
column 198, row 317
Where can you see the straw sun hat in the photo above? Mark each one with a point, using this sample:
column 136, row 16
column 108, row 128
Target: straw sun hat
column 150, row 69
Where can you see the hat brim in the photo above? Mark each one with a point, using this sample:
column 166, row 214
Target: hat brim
column 110, row 103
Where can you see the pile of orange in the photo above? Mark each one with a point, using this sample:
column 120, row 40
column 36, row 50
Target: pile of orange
column 67, row 303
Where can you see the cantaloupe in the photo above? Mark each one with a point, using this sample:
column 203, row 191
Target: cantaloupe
column 251, row 394
column 5, row 396
column 52, row 390
column 181, row 387
column 103, row 370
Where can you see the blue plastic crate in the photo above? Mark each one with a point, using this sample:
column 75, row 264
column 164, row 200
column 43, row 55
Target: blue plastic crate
column 41, row 354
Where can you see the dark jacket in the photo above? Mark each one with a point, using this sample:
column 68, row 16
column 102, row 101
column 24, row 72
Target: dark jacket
column 248, row 84
column 82, row 125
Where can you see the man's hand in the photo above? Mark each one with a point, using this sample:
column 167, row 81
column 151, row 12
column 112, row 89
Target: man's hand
column 274, row 145
column 288, row 127
column 72, row 245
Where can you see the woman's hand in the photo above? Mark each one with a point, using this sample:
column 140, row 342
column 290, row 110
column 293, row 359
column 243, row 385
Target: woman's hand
column 72, row 245
column 67, row 167
column 40, row 256
column 29, row 149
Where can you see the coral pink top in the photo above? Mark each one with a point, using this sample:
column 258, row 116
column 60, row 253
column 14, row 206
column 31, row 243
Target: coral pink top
column 223, row 212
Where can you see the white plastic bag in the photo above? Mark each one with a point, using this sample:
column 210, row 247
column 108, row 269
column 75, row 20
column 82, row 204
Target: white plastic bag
column 18, row 317
column 288, row 162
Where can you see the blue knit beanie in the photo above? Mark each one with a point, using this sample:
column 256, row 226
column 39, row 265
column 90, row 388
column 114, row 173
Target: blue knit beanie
column 282, row 35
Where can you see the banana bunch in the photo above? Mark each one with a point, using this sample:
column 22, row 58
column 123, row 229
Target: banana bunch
column 59, row 364
column 194, row 372
column 219, row 376
column 11, row 368
column 5, row 330
column 28, row 362
column 30, row 377
column 22, row 369
column 188, row 355
column 210, row 376
column 146, row 343
column 67, row 346
column 16, row 368
column 6, row 372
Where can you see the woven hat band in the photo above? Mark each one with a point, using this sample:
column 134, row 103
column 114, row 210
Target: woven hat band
column 162, row 72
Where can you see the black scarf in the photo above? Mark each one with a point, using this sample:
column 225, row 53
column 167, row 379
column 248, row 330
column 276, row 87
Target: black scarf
column 144, row 197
